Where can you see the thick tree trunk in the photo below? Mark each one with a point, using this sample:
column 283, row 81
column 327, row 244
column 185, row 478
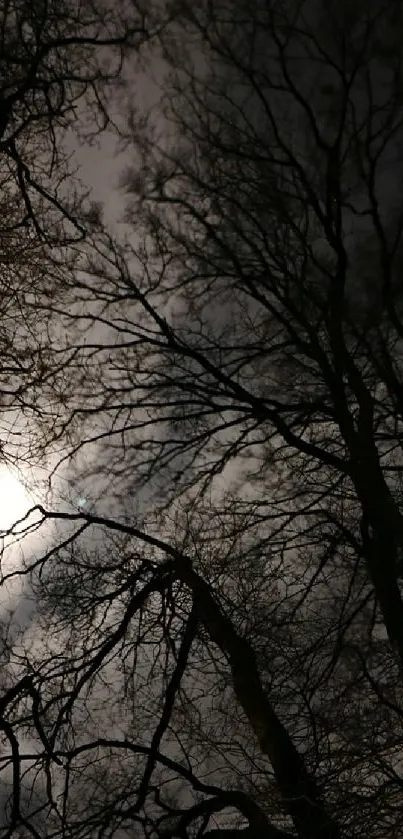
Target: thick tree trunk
column 382, row 533
column 299, row 791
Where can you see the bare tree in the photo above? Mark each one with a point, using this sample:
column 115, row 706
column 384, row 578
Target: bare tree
column 277, row 193
column 59, row 64
column 62, row 66
column 218, row 642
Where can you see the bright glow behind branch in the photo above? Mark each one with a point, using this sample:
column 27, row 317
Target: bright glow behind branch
column 15, row 500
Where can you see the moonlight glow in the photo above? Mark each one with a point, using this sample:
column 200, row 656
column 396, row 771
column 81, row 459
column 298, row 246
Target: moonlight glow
column 15, row 500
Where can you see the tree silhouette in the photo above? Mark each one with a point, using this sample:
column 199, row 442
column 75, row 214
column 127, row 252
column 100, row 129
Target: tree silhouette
column 59, row 64
column 218, row 638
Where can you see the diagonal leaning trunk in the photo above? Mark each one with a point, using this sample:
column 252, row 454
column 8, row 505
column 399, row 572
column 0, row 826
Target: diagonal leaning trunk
column 299, row 790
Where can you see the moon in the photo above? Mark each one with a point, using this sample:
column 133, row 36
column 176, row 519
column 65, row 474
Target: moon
column 15, row 500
